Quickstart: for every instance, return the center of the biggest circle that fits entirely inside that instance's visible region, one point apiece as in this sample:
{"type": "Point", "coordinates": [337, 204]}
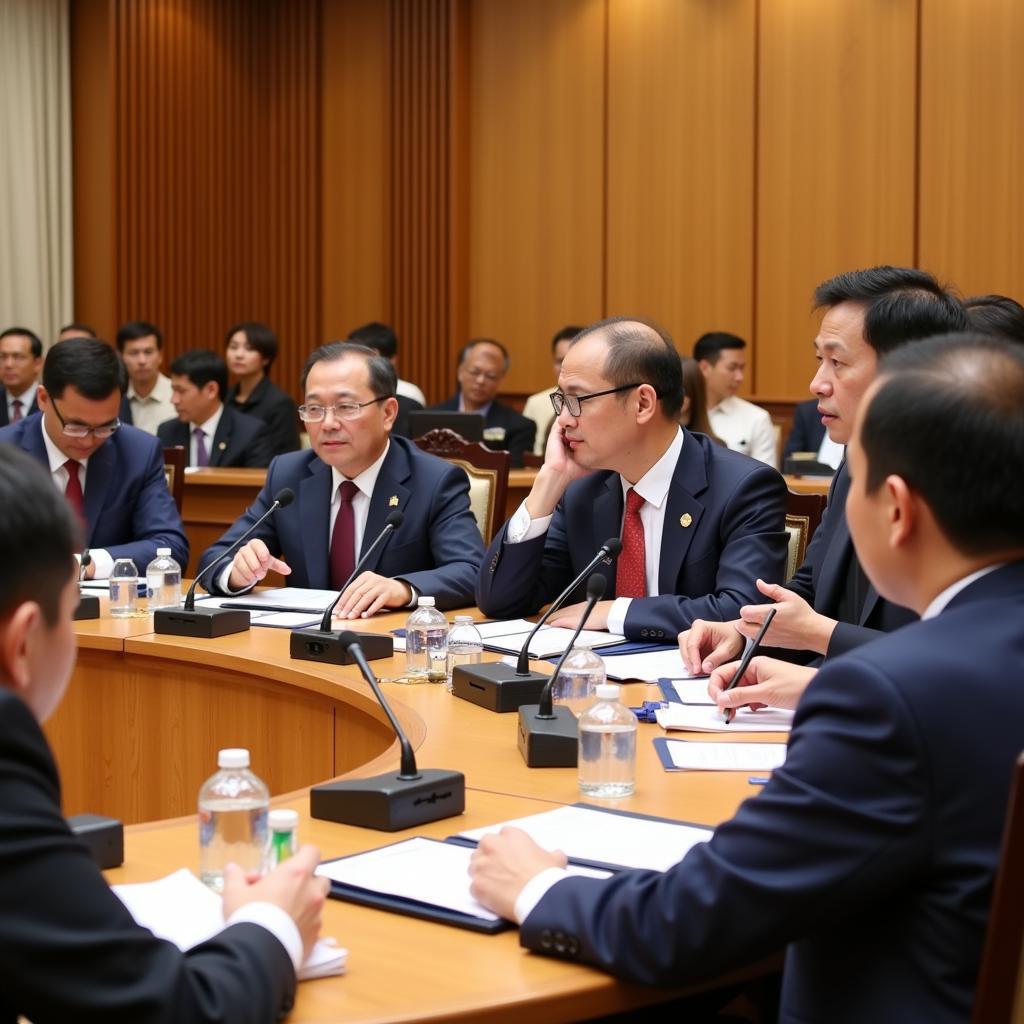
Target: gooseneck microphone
{"type": "Point", "coordinates": [210, 622]}
{"type": "Point", "coordinates": [393, 801]}
{"type": "Point", "coordinates": [326, 646]}
{"type": "Point", "coordinates": [88, 604]}
{"type": "Point", "coordinates": [499, 687]}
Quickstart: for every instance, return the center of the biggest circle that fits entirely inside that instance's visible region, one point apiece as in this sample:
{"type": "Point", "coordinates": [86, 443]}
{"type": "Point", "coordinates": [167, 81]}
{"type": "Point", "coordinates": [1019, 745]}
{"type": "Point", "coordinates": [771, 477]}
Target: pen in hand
{"type": "Point", "coordinates": [746, 659]}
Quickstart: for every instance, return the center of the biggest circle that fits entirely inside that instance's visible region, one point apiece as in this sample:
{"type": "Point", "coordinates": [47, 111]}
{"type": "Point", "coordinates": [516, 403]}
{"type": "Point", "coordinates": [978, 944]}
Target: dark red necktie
{"type": "Point", "coordinates": [73, 491]}
{"type": "Point", "coordinates": [631, 573]}
{"type": "Point", "coordinates": [343, 539]}
{"type": "Point", "coordinates": [16, 407]}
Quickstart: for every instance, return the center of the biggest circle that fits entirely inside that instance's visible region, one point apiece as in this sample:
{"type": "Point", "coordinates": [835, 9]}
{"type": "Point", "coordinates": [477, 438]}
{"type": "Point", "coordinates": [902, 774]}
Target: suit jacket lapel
{"type": "Point", "coordinates": [390, 486]}
{"type": "Point", "coordinates": [833, 565]}
{"type": "Point", "coordinates": [314, 520]}
{"type": "Point", "coordinates": [607, 522]}
{"type": "Point", "coordinates": [221, 438]}
{"type": "Point", "coordinates": [689, 479]}
{"type": "Point", "coordinates": [97, 481]}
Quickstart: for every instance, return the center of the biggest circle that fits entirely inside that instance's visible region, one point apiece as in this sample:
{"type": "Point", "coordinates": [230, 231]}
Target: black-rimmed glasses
{"type": "Point", "coordinates": [82, 430]}
{"type": "Point", "coordinates": [574, 403]}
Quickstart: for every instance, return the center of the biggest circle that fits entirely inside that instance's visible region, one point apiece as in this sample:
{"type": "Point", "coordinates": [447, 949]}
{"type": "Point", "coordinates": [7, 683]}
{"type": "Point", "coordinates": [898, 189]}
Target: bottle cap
{"type": "Point", "coordinates": [584, 645]}
{"type": "Point", "coordinates": [607, 691]}
{"type": "Point", "coordinates": [233, 757]}
{"type": "Point", "coordinates": [163, 552]}
{"type": "Point", "coordinates": [425, 602]}
{"type": "Point", "coordinates": [463, 620]}
{"type": "Point", "coordinates": [283, 820]}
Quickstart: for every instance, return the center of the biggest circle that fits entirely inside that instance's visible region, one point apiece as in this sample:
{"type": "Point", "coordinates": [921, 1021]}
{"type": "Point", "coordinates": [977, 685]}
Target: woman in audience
{"type": "Point", "coordinates": [694, 414]}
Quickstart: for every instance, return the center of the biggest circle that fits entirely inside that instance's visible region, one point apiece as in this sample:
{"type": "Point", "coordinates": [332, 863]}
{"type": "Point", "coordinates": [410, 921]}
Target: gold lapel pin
{"type": "Point", "coordinates": [393, 501]}
{"type": "Point", "coordinates": [685, 519]}
{"type": "Point", "coordinates": [222, 445]}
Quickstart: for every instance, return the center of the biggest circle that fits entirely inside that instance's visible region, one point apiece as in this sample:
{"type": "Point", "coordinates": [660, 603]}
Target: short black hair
{"type": "Point", "coordinates": [83, 330]}
{"type": "Point", "coordinates": [969, 389]}
{"type": "Point", "coordinates": [995, 314]}
{"type": "Point", "coordinates": [710, 346]}
{"type": "Point", "coordinates": [383, 379]}
{"type": "Point", "coordinates": [640, 352]}
{"type": "Point", "coordinates": [89, 365]}
{"type": "Point", "coordinates": [380, 337]}
{"type": "Point", "coordinates": [901, 304]}
{"type": "Point", "coordinates": [135, 329]}
{"type": "Point", "coordinates": [565, 334]}
{"type": "Point", "coordinates": [201, 366]}
{"type": "Point", "coordinates": [38, 535]}
{"type": "Point", "coordinates": [260, 337]}
{"type": "Point", "coordinates": [474, 342]}
{"type": "Point", "coordinates": [33, 339]}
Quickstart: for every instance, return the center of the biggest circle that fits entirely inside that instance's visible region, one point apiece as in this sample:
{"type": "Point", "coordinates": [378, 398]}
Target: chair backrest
{"type": "Point", "coordinates": [803, 515]}
{"type": "Point", "coordinates": [999, 997]}
{"type": "Point", "coordinates": [174, 469]}
{"type": "Point", "coordinates": [487, 471]}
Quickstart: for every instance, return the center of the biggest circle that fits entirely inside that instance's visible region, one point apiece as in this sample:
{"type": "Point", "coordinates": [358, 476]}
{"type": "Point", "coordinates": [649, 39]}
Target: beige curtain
{"type": "Point", "coordinates": [35, 166]}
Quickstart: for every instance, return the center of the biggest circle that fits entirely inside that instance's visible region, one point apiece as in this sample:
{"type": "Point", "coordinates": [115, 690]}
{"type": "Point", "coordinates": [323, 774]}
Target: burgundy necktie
{"type": "Point", "coordinates": [631, 573]}
{"type": "Point", "coordinates": [16, 407]}
{"type": "Point", "coordinates": [343, 539]}
{"type": "Point", "coordinates": [202, 455]}
{"type": "Point", "coordinates": [73, 491]}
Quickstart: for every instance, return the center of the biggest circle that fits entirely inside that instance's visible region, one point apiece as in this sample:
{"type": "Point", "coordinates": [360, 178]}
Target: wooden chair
{"type": "Point", "coordinates": [803, 514]}
{"type": "Point", "coordinates": [999, 998]}
{"type": "Point", "coordinates": [487, 471]}
{"type": "Point", "coordinates": [175, 460]}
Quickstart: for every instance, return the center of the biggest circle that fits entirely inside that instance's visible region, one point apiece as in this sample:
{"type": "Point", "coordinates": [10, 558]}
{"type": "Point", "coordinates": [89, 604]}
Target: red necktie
{"type": "Point", "coordinates": [73, 491]}
{"type": "Point", "coordinates": [631, 574]}
{"type": "Point", "coordinates": [16, 407]}
{"type": "Point", "coordinates": [343, 539]}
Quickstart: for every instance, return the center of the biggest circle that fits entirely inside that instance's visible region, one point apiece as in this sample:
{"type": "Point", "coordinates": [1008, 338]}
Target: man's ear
{"type": "Point", "coordinates": [211, 389]}
{"type": "Point", "coordinates": [42, 397]}
{"type": "Point", "coordinates": [646, 403]}
{"type": "Point", "coordinates": [902, 513]}
{"type": "Point", "coordinates": [16, 637]}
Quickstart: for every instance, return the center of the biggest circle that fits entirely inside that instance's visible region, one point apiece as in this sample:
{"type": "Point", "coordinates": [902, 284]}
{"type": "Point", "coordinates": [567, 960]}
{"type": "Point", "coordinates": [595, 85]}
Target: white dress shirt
{"type": "Point", "coordinates": [939, 602]}
{"type": "Point", "coordinates": [27, 397]}
{"type": "Point", "coordinates": [746, 428]}
{"type": "Point", "coordinates": [209, 429]}
{"type": "Point", "coordinates": [538, 408]}
{"type": "Point", "coordinates": [156, 408]}
{"type": "Point", "coordinates": [409, 390]}
{"type": "Point", "coordinates": [830, 453]}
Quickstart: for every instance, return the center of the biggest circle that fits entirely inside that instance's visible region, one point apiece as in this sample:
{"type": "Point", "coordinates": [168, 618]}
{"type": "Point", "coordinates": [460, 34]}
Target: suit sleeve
{"type": "Point", "coordinates": [799, 440]}
{"type": "Point", "coordinates": [819, 843]}
{"type": "Point", "coordinates": [802, 582]}
{"type": "Point", "coordinates": [282, 429]}
{"type": "Point", "coordinates": [521, 433]}
{"type": "Point", "coordinates": [259, 449]}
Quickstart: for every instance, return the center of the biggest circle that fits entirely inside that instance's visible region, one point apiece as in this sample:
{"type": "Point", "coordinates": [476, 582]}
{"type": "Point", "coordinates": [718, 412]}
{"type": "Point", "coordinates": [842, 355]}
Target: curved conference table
{"type": "Point", "coordinates": [139, 730]}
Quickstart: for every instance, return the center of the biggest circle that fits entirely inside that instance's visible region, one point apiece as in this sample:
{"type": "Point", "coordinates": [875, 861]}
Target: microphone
{"type": "Point", "coordinates": [323, 644]}
{"type": "Point", "coordinates": [210, 622]}
{"type": "Point", "coordinates": [392, 801]}
{"type": "Point", "coordinates": [548, 736]}
{"type": "Point", "coordinates": [88, 604]}
{"type": "Point", "coordinates": [497, 686]}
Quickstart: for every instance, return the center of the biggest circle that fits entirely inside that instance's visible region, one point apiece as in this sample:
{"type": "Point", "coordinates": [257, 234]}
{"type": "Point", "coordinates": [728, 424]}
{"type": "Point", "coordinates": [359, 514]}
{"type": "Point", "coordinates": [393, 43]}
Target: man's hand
{"type": "Point", "coordinates": [559, 470]}
{"type": "Point", "coordinates": [502, 864]}
{"type": "Point", "coordinates": [767, 682]}
{"type": "Point", "coordinates": [706, 645]}
{"type": "Point", "coordinates": [292, 886]}
{"type": "Point", "coordinates": [368, 593]}
{"type": "Point", "coordinates": [252, 563]}
{"type": "Point", "coordinates": [796, 623]}
{"type": "Point", "coordinates": [569, 616]}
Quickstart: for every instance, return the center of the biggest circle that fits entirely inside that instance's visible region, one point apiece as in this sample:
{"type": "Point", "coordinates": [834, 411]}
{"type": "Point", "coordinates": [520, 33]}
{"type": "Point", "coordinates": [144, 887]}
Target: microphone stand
{"type": "Point", "coordinates": [88, 604]}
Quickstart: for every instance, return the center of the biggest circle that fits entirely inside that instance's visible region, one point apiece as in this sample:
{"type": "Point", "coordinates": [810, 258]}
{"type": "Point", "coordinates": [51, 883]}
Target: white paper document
{"type": "Point", "coordinates": [267, 617]}
{"type": "Point", "coordinates": [650, 667]}
{"type": "Point", "coordinates": [691, 755]}
{"type": "Point", "coordinates": [182, 910]}
{"type": "Point", "coordinates": [585, 833]}
{"type": "Point", "coordinates": [701, 718]}
{"type": "Point", "coordinates": [691, 691]}
{"type": "Point", "coordinates": [283, 599]}
{"type": "Point", "coordinates": [549, 641]}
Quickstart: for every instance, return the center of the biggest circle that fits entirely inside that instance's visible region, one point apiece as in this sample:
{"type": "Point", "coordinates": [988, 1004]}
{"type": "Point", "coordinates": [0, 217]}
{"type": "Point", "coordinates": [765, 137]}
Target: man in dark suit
{"type": "Point", "coordinates": [345, 488]}
{"type": "Point", "coordinates": [807, 432]}
{"type": "Point", "coordinates": [113, 475]}
{"type": "Point", "coordinates": [21, 359]}
{"type": "Point", "coordinates": [483, 364]}
{"type": "Point", "coordinates": [214, 434]}
{"type": "Point", "coordinates": [69, 950]}
{"type": "Point", "coordinates": [700, 522]}
{"type": "Point", "coordinates": [871, 853]}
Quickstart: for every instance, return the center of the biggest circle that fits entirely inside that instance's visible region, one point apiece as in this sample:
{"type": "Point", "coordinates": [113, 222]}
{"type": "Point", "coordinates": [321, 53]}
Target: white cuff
{"type": "Point", "coordinates": [104, 564]}
{"type": "Point", "coordinates": [277, 922]}
{"type": "Point", "coordinates": [225, 575]}
{"type": "Point", "coordinates": [617, 615]}
{"type": "Point", "coordinates": [521, 527]}
{"type": "Point", "coordinates": [535, 890]}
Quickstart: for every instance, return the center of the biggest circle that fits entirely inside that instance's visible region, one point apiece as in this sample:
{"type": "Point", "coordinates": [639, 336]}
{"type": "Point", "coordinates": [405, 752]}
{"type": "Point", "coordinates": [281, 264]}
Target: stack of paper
{"type": "Point", "coordinates": [509, 637]}
{"type": "Point", "coordinates": [650, 667]}
{"type": "Point", "coordinates": [707, 718]}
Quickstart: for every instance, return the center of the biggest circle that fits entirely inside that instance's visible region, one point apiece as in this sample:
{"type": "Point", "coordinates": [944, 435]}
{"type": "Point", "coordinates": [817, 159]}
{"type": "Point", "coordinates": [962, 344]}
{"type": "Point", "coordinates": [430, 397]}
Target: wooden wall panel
{"type": "Point", "coordinates": [681, 165]}
{"type": "Point", "coordinates": [836, 163]}
{"type": "Point", "coordinates": [972, 144]}
{"type": "Point", "coordinates": [536, 164]}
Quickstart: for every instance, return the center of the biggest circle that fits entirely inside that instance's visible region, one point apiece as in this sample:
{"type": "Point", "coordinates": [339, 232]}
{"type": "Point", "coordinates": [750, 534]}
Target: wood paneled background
{"type": "Point", "coordinates": [504, 167]}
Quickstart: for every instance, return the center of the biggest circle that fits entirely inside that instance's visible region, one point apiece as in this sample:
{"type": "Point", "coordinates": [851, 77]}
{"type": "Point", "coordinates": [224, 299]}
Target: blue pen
{"type": "Point", "coordinates": [759, 780]}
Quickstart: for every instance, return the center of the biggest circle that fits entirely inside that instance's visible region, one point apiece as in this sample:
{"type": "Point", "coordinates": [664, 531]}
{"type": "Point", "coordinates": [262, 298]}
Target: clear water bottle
{"type": "Point", "coordinates": [282, 838]}
{"type": "Point", "coordinates": [465, 645]}
{"type": "Point", "coordinates": [163, 580]}
{"type": "Point", "coordinates": [233, 806]}
{"type": "Point", "coordinates": [426, 644]}
{"type": "Point", "coordinates": [607, 753]}
{"type": "Point", "coordinates": [578, 679]}
{"type": "Point", "coordinates": [124, 588]}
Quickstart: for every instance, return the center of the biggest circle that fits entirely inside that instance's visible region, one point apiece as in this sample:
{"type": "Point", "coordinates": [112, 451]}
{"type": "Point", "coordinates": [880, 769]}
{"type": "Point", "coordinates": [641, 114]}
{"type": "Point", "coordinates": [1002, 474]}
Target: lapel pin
{"type": "Point", "coordinates": [685, 519]}
{"type": "Point", "coordinates": [393, 501]}
{"type": "Point", "coordinates": [222, 445]}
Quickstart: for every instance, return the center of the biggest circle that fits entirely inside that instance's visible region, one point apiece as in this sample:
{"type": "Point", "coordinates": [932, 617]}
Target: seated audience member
{"type": "Point", "coordinates": [21, 359]}
{"type": "Point", "coordinates": [112, 474]}
{"type": "Point", "coordinates": [538, 406]}
{"type": "Point", "coordinates": [743, 426]}
{"type": "Point", "coordinates": [871, 853]}
{"type": "Point", "coordinates": [996, 314]}
{"type": "Point", "coordinates": [70, 950]}
{"type": "Point", "coordinates": [694, 413]}
{"type": "Point", "coordinates": [215, 434]}
{"type": "Point", "coordinates": [147, 403]}
{"type": "Point", "coordinates": [698, 522]}
{"type": "Point", "coordinates": [809, 435]}
{"type": "Point", "coordinates": [74, 330]}
{"type": "Point", "coordinates": [251, 349]}
{"type": "Point", "coordinates": [345, 487]}
{"type": "Point", "coordinates": [483, 364]}
{"type": "Point", "coordinates": [829, 606]}
{"type": "Point", "coordinates": [383, 340]}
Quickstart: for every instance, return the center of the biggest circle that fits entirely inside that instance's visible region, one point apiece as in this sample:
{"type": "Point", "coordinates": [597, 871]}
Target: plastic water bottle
{"type": "Point", "coordinates": [233, 807]}
{"type": "Point", "coordinates": [607, 754]}
{"type": "Point", "coordinates": [426, 644]}
{"type": "Point", "coordinates": [578, 679]}
{"type": "Point", "coordinates": [283, 837]}
{"type": "Point", "coordinates": [163, 579]}
{"type": "Point", "coordinates": [465, 645]}
{"type": "Point", "coordinates": [124, 588]}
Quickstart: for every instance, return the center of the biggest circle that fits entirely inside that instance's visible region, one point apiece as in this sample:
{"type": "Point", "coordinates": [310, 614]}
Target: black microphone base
{"type": "Point", "coordinates": [315, 645]}
{"type": "Point", "coordinates": [201, 622]}
{"type": "Point", "coordinates": [88, 607]}
{"type": "Point", "coordinates": [548, 742]}
{"type": "Point", "coordinates": [389, 803]}
{"type": "Point", "coordinates": [496, 686]}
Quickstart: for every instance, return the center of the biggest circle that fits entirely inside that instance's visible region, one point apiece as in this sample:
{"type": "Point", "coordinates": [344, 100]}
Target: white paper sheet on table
{"type": "Point", "coordinates": [279, 620]}
{"type": "Point", "coordinates": [651, 666]}
{"type": "Point", "coordinates": [283, 599]}
{"type": "Point", "coordinates": [549, 641]}
{"type": "Point", "coordinates": [691, 691]}
{"type": "Point", "coordinates": [692, 755]}
{"type": "Point", "coordinates": [703, 718]}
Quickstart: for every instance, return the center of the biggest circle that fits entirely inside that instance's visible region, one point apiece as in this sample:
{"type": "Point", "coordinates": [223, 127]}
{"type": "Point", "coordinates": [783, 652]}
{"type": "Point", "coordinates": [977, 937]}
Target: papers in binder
{"type": "Point", "coordinates": [649, 667]}
{"type": "Point", "coordinates": [509, 637]}
{"type": "Point", "coordinates": [703, 718]}
{"type": "Point", "coordinates": [692, 755]}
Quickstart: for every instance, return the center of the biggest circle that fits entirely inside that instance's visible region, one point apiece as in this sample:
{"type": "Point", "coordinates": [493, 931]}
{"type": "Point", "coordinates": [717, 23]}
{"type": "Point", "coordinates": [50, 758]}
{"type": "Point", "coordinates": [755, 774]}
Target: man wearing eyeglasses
{"type": "Point", "coordinates": [21, 358]}
{"type": "Point", "coordinates": [112, 475]}
{"type": "Point", "coordinates": [356, 474]}
{"type": "Point", "coordinates": [699, 523]}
